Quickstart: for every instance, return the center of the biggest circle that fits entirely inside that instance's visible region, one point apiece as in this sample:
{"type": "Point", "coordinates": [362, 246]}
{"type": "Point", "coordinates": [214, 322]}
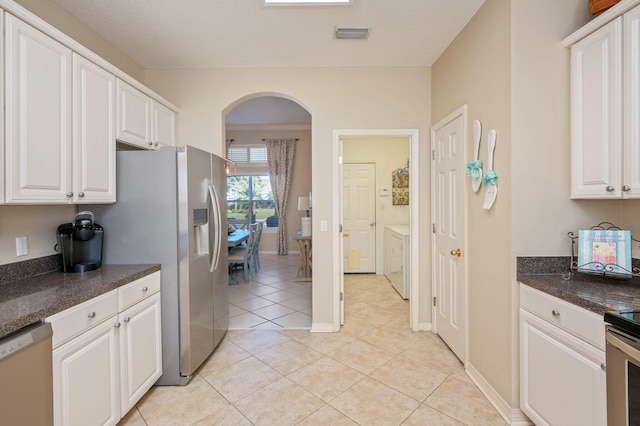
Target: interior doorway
{"type": "Point", "coordinates": [411, 138]}
{"type": "Point", "coordinates": [251, 123]}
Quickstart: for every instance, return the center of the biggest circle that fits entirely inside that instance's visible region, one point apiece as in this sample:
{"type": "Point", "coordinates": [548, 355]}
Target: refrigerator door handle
{"type": "Point", "coordinates": [215, 228]}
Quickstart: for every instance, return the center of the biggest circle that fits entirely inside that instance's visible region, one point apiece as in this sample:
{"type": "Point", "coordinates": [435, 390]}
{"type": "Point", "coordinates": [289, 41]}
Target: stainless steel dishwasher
{"type": "Point", "coordinates": [26, 377]}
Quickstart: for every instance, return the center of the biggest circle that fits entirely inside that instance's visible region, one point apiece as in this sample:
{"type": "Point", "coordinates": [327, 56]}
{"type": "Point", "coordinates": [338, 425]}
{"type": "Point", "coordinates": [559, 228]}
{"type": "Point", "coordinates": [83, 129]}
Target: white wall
{"type": "Point", "coordinates": [337, 98]}
{"type": "Point", "coordinates": [388, 154]}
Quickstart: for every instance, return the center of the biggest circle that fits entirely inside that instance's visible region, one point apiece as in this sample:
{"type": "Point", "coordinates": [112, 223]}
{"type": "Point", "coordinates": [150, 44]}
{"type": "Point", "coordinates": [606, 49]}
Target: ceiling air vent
{"type": "Point", "coordinates": [351, 33]}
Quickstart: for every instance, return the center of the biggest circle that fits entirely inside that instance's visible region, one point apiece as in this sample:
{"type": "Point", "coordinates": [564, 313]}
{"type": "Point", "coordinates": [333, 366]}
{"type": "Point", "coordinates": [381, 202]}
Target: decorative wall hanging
{"type": "Point", "coordinates": [400, 186]}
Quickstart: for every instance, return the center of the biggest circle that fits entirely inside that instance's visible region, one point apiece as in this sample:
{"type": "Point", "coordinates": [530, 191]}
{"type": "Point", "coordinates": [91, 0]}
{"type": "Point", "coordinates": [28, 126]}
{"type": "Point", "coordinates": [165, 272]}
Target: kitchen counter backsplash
{"type": "Point", "coordinates": [29, 268]}
{"type": "Point", "coordinates": [592, 292]}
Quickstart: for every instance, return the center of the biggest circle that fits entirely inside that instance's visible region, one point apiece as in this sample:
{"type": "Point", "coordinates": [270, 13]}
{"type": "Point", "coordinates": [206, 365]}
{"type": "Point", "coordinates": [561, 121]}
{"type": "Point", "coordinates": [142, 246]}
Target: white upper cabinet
{"type": "Point", "coordinates": [141, 120]}
{"type": "Point", "coordinates": [60, 115]}
{"type": "Point", "coordinates": [94, 151]}
{"type": "Point", "coordinates": [631, 28]}
{"type": "Point", "coordinates": [37, 114]}
{"type": "Point", "coordinates": [64, 109]}
{"type": "Point", "coordinates": [605, 148]}
{"type": "Point", "coordinates": [134, 116]}
{"type": "Point", "coordinates": [164, 125]}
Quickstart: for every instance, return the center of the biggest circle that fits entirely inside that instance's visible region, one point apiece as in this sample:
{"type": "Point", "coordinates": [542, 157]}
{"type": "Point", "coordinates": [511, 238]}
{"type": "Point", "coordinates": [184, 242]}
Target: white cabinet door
{"type": "Point", "coordinates": [596, 114]}
{"type": "Point", "coordinates": [164, 125]}
{"type": "Point", "coordinates": [562, 381]}
{"type": "Point", "coordinates": [94, 151]}
{"type": "Point", "coordinates": [86, 379]}
{"type": "Point", "coordinates": [631, 26]}
{"type": "Point", "coordinates": [140, 349]}
{"type": "Point", "coordinates": [38, 115]}
{"type": "Point", "coordinates": [133, 116]}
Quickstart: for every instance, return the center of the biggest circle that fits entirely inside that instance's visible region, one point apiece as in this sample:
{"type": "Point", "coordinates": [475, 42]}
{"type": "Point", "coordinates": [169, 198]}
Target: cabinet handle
{"type": "Point", "coordinates": [69, 194]}
{"type": "Point", "coordinates": [555, 313]}
{"type": "Point", "coordinates": [145, 289]}
{"type": "Point", "coordinates": [91, 314]}
{"type": "Point", "coordinates": [603, 366]}
{"type": "Point", "coordinates": [126, 319]}
{"type": "Point", "coordinates": [610, 188]}
{"type": "Point", "coordinates": [150, 143]}
{"type": "Point", "coordinates": [81, 194]}
{"type": "Point", "coordinates": [626, 188]}
{"type": "Point", "coordinates": [116, 325]}
{"type": "Point", "coordinates": [155, 144]}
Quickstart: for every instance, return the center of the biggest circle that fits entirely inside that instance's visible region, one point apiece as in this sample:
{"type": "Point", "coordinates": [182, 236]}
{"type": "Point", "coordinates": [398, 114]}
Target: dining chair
{"type": "Point", "coordinates": [256, 245]}
{"type": "Point", "coordinates": [239, 223]}
{"type": "Point", "coordinates": [243, 254]}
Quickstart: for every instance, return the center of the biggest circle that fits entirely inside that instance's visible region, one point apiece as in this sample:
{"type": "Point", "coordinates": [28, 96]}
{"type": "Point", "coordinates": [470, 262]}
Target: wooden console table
{"type": "Point", "coordinates": [305, 265]}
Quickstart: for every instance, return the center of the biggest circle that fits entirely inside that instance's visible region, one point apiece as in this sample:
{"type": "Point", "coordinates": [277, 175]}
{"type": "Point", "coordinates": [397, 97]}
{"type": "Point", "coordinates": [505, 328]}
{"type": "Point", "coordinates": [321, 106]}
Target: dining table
{"type": "Point", "coordinates": [237, 237]}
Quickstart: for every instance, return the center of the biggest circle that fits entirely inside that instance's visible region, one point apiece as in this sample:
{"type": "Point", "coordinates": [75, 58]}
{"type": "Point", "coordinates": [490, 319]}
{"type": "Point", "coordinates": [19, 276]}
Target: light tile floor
{"type": "Point", "coordinates": [375, 371]}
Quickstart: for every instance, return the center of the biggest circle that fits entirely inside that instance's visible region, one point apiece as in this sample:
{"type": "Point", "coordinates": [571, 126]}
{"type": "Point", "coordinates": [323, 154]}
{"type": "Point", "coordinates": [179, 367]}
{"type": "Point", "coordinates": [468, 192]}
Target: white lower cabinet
{"type": "Point", "coordinates": [86, 378]}
{"type": "Point", "coordinates": [140, 350]}
{"type": "Point", "coordinates": [107, 354]}
{"type": "Point", "coordinates": [562, 371]}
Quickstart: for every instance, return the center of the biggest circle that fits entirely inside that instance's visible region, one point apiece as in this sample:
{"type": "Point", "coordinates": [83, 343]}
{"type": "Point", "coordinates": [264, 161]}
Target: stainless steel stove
{"type": "Point", "coordinates": [623, 368]}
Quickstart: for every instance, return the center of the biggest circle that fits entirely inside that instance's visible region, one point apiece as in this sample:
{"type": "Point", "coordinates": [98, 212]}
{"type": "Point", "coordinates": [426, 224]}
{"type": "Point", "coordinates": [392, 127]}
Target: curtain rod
{"type": "Point", "coordinates": [264, 140]}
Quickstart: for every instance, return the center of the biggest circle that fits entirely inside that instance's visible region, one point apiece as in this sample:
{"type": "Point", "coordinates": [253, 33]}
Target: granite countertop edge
{"type": "Point", "coordinates": [594, 293]}
{"type": "Point", "coordinates": [31, 300]}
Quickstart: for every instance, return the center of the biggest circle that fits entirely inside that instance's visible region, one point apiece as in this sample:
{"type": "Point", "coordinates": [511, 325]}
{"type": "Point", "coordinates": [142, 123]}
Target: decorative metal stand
{"type": "Point", "coordinates": [610, 270]}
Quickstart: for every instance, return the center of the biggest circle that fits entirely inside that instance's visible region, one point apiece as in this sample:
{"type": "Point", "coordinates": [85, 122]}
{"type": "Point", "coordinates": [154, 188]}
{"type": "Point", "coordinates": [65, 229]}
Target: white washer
{"type": "Point", "coordinates": [396, 259]}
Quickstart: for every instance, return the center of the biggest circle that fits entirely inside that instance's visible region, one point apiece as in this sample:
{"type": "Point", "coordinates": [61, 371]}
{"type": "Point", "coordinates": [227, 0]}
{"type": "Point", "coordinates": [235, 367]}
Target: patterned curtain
{"type": "Point", "coordinates": [280, 154]}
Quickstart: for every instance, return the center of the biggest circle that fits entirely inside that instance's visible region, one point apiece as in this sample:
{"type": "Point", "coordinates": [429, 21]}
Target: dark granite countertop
{"type": "Point", "coordinates": [594, 293]}
{"type": "Point", "coordinates": [30, 300]}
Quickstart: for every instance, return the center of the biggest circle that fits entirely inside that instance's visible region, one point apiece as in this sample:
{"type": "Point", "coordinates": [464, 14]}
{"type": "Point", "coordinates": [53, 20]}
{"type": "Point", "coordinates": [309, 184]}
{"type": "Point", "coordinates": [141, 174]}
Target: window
{"type": "Point", "coordinates": [251, 197]}
{"type": "Point", "coordinates": [248, 155]}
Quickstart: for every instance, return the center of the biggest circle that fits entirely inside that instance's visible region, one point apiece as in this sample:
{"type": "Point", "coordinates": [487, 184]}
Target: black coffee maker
{"type": "Point", "coordinates": [80, 243]}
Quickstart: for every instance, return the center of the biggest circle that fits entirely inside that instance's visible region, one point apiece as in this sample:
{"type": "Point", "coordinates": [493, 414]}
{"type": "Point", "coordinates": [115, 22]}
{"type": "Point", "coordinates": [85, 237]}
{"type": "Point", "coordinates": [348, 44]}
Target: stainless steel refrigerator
{"type": "Point", "coordinates": [171, 209]}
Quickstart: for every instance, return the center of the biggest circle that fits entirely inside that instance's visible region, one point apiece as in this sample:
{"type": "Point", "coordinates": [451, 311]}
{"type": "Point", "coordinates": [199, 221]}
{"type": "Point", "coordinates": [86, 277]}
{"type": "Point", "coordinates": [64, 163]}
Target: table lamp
{"type": "Point", "coordinates": [303, 204]}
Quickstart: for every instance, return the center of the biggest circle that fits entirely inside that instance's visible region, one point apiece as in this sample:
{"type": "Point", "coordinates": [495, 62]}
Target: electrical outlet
{"type": "Point", "coordinates": [323, 226]}
{"type": "Point", "coordinates": [22, 246]}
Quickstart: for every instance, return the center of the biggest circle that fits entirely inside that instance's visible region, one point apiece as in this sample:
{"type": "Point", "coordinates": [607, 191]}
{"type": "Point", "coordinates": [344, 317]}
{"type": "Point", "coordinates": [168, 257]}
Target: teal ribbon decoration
{"type": "Point", "coordinates": [490, 178]}
{"type": "Point", "coordinates": [473, 167]}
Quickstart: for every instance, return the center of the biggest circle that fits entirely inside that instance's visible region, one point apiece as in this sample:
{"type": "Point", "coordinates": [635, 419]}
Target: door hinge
{"type": "Point", "coordinates": [433, 154]}
{"type": "Point", "coordinates": [341, 297]}
{"type": "Point", "coordinates": [434, 228]}
{"type": "Point", "coordinates": [434, 301]}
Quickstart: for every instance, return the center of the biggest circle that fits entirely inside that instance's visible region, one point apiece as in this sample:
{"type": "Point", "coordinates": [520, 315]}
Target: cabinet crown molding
{"type": "Point", "coordinates": [600, 21]}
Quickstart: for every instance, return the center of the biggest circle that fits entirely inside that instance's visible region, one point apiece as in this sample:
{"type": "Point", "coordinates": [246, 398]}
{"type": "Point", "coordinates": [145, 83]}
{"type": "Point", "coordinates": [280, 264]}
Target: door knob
{"type": "Point", "coordinates": [345, 235]}
{"type": "Point", "coordinates": [456, 252]}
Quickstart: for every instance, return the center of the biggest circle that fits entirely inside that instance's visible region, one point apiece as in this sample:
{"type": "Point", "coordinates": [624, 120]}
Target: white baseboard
{"type": "Point", "coordinates": [425, 326]}
{"type": "Point", "coordinates": [321, 327]}
{"type": "Point", "coordinates": [513, 416]}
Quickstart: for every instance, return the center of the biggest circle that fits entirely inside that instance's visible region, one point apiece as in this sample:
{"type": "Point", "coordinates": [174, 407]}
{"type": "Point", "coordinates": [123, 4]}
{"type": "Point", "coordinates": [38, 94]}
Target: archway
{"type": "Point", "coordinates": [248, 122]}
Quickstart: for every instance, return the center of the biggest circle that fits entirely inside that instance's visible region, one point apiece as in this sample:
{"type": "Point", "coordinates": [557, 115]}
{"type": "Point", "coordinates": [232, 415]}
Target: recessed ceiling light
{"type": "Point", "coordinates": [351, 33]}
{"type": "Point", "coordinates": [306, 2]}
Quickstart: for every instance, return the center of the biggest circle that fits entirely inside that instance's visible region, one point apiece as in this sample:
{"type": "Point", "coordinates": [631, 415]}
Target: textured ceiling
{"type": "Point", "coordinates": [161, 34]}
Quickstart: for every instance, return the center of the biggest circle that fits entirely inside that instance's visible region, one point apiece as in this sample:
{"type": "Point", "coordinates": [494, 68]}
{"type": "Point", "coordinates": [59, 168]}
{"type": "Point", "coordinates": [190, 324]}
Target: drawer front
{"type": "Point", "coordinates": [74, 321]}
{"type": "Point", "coordinates": [138, 290]}
{"type": "Point", "coordinates": [574, 319]}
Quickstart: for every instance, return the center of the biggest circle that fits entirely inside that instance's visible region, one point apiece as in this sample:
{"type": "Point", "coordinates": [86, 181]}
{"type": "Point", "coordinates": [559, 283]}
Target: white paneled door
{"type": "Point", "coordinates": [448, 232]}
{"type": "Point", "coordinates": [359, 218]}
